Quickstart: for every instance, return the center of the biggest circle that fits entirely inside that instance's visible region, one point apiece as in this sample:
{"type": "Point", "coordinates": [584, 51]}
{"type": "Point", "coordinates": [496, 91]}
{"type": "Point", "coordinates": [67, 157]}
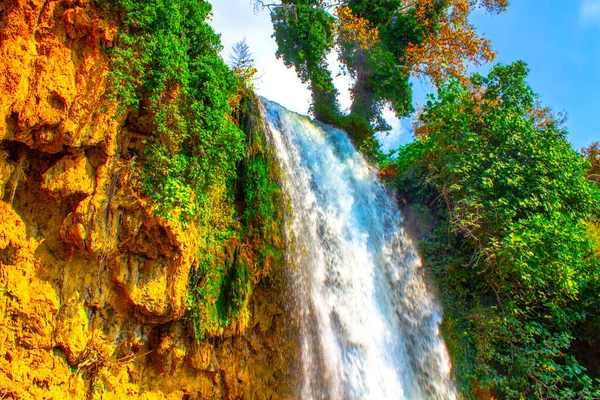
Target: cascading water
{"type": "Point", "coordinates": [369, 326]}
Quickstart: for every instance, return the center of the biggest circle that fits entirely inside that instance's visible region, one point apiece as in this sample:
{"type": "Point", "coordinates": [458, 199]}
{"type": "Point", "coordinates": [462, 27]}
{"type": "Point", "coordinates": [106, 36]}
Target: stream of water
{"type": "Point", "coordinates": [370, 327]}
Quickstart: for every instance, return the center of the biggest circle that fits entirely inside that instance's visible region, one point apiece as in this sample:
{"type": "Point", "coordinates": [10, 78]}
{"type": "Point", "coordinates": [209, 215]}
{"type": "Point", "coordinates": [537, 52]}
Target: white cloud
{"type": "Point", "coordinates": [590, 12]}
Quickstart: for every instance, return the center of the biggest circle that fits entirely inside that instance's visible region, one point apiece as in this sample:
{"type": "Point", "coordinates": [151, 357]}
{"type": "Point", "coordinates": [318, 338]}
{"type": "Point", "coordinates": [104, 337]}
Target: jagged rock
{"type": "Point", "coordinates": [70, 175]}
{"type": "Point", "coordinates": [173, 349]}
{"type": "Point", "coordinates": [32, 303]}
{"type": "Point", "coordinates": [202, 357]}
{"type": "Point", "coordinates": [12, 229]}
{"type": "Point", "coordinates": [144, 282]}
{"type": "Point", "coordinates": [6, 171]}
{"type": "Point", "coordinates": [72, 328]}
{"type": "Point", "coordinates": [53, 75]}
{"type": "Point", "coordinates": [73, 232]}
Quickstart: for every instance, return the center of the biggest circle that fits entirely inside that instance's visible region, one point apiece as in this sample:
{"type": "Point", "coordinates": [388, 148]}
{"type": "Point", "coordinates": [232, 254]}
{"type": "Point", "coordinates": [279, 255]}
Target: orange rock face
{"type": "Point", "coordinates": [92, 284]}
{"type": "Point", "coordinates": [53, 75]}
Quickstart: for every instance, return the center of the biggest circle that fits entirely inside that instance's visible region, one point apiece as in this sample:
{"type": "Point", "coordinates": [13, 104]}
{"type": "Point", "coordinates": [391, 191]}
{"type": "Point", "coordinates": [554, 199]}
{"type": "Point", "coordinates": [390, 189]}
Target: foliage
{"type": "Point", "coordinates": [380, 43]}
{"type": "Point", "coordinates": [374, 63]}
{"type": "Point", "coordinates": [510, 249]}
{"type": "Point", "coordinates": [196, 159]}
{"type": "Point", "coordinates": [304, 36]}
{"type": "Point", "coordinates": [168, 56]}
{"type": "Point", "coordinates": [242, 243]}
{"type": "Point", "coordinates": [592, 155]}
{"type": "Point", "coordinates": [260, 194]}
{"type": "Point", "coordinates": [242, 63]}
{"type": "Point", "coordinates": [594, 234]}
{"type": "Point", "coordinates": [220, 289]}
{"type": "Point", "coordinates": [209, 307]}
{"type": "Point", "coordinates": [446, 49]}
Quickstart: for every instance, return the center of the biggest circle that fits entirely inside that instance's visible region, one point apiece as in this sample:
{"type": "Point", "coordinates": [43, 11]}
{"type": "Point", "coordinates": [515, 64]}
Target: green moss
{"type": "Point", "coordinates": [260, 194]}
{"type": "Point", "coordinates": [236, 258]}
{"type": "Point", "coordinates": [219, 293]}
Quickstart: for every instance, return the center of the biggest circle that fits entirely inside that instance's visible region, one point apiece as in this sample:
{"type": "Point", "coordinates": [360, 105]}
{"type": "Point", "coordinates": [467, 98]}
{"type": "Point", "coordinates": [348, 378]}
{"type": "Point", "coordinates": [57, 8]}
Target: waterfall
{"type": "Point", "coordinates": [369, 326]}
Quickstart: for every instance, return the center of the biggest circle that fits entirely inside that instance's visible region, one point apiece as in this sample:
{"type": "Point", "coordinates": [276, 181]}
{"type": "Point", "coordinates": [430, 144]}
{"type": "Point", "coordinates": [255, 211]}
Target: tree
{"type": "Point", "coordinates": [446, 50]}
{"type": "Point", "coordinates": [242, 65]}
{"type": "Point", "coordinates": [510, 250]}
{"type": "Point", "coordinates": [592, 154]}
{"type": "Point", "coordinates": [241, 57]}
{"type": "Point", "coordinates": [380, 43]}
{"type": "Point", "coordinates": [304, 33]}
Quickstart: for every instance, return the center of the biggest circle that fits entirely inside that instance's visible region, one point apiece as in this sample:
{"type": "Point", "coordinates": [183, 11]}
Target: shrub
{"type": "Point", "coordinates": [168, 55]}
{"type": "Point", "coordinates": [510, 250]}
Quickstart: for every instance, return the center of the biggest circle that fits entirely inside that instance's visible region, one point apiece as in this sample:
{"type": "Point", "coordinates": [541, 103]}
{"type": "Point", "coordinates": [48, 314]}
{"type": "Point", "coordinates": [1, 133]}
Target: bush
{"type": "Point", "coordinates": [510, 251]}
{"type": "Point", "coordinates": [168, 55]}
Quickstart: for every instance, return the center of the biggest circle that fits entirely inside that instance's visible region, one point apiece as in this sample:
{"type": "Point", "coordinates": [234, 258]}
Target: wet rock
{"type": "Point", "coordinates": [202, 357]}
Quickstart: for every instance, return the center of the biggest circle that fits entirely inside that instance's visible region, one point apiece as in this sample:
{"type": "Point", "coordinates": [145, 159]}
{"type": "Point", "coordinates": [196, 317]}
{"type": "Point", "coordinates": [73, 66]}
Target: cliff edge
{"type": "Point", "coordinates": [94, 287]}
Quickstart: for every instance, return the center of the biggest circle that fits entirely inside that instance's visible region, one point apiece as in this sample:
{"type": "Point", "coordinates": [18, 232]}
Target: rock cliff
{"type": "Point", "coordinates": [93, 285]}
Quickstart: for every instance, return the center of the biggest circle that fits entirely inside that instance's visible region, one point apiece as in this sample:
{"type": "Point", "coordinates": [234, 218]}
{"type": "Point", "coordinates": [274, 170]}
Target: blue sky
{"type": "Point", "coordinates": [559, 39]}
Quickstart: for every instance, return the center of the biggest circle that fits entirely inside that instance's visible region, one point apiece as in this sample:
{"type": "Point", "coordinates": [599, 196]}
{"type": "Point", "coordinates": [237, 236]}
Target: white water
{"type": "Point", "coordinates": [370, 328]}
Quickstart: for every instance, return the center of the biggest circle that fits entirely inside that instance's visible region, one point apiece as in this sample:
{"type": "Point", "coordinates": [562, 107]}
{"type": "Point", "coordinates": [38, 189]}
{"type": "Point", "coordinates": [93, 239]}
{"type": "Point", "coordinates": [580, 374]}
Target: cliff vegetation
{"type": "Point", "coordinates": [140, 243]}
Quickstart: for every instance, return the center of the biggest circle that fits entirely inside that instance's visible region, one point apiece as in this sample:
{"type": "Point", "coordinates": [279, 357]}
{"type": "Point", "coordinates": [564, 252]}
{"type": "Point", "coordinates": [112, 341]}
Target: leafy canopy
{"type": "Point", "coordinates": [380, 43]}
{"type": "Point", "coordinates": [511, 250]}
{"type": "Point", "coordinates": [304, 32]}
